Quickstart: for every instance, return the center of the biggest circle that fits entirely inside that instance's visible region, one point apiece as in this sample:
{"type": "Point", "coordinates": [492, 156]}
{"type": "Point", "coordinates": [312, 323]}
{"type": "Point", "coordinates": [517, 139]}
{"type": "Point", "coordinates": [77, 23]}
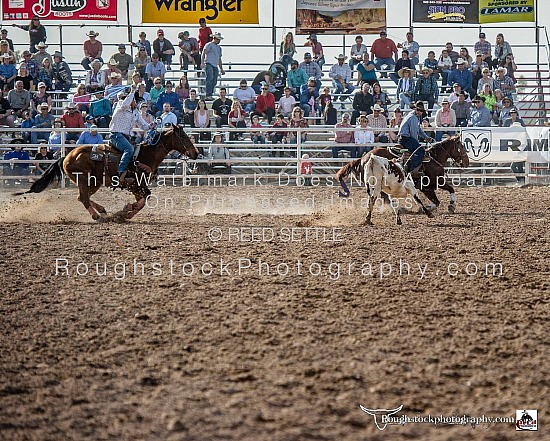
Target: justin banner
{"type": "Point", "coordinates": [506, 144]}
{"type": "Point", "coordinates": [340, 16]}
{"type": "Point", "coordinates": [473, 11]}
{"type": "Point", "coordinates": [217, 12]}
{"type": "Point", "coordinates": [104, 10]}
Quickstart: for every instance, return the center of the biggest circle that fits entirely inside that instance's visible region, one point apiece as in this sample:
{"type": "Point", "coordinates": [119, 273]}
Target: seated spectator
{"type": "Point", "coordinates": [431, 62]}
{"type": "Point", "coordinates": [484, 47]}
{"type": "Point", "coordinates": [93, 49]}
{"type": "Point", "coordinates": [189, 107]}
{"type": "Point", "coordinates": [139, 135]}
{"type": "Point", "coordinates": [62, 75]}
{"type": "Point", "coordinates": [324, 98]}
{"type": "Point", "coordinates": [112, 67]}
{"type": "Point", "coordinates": [32, 67]}
{"type": "Point", "coordinates": [462, 76]}
{"type": "Point", "coordinates": [403, 62]}
{"type": "Point", "coordinates": [27, 123]}
{"type": "Point", "coordinates": [452, 53]}
{"type": "Point", "coordinates": [465, 55]}
{"type": "Point", "coordinates": [395, 123]}
{"type": "Point", "coordinates": [426, 126]}
{"type": "Point", "coordinates": [141, 60]}
{"type": "Point", "coordinates": [502, 49]}
{"type": "Point", "coordinates": [316, 49]}
{"type": "Point", "coordinates": [170, 97]}
{"type": "Point", "coordinates": [141, 95]}
{"type": "Point", "coordinates": [45, 74]}
{"type": "Point", "coordinates": [4, 36]}
{"type": "Point", "coordinates": [480, 116]}
{"type": "Point", "coordinates": [412, 46]}
{"type": "Point", "coordinates": [123, 60]}
{"type": "Point", "coordinates": [4, 49]}
{"type": "Point", "coordinates": [504, 114]}
{"type": "Point", "coordinates": [6, 113]}
{"type": "Point", "coordinates": [101, 110]}
{"type": "Point", "coordinates": [356, 52]}
{"type": "Point", "coordinates": [485, 79]}
{"type": "Point", "coordinates": [513, 119]}
{"type": "Point", "coordinates": [510, 66]}
{"type": "Point", "coordinates": [490, 99]}
{"type": "Point", "coordinates": [88, 121]}
{"type": "Point", "coordinates": [456, 91]}
{"type": "Point", "coordinates": [363, 136]}
{"type": "Point", "coordinates": [236, 119]}
{"type": "Point", "coordinates": [330, 115]}
{"type": "Point", "coordinates": [154, 71]}
{"type": "Point", "coordinates": [477, 68]}
{"type": "Point", "coordinates": [405, 88]}
{"type": "Point", "coordinates": [16, 168]}
{"type": "Point", "coordinates": [95, 78]}
{"type": "Point", "coordinates": [344, 138]}
{"type": "Point", "coordinates": [80, 98]}
{"type": "Point", "coordinates": [182, 89]}
{"type": "Point", "coordinates": [341, 78]}
{"type": "Point", "coordinates": [217, 152]}
{"type": "Point", "coordinates": [23, 75]}
{"type": "Point", "coordinates": [444, 117]}
{"type": "Point", "coordinates": [115, 85]}
{"type": "Point", "coordinates": [362, 103]}
{"type": "Point", "coordinates": [265, 105]}
{"type": "Point", "coordinates": [378, 121]}
{"type": "Point", "coordinates": [380, 97]}
{"type": "Point", "coordinates": [256, 136]}
{"type": "Point", "coordinates": [265, 77]}
{"type": "Point", "coordinates": [202, 120]}
{"type": "Point", "coordinates": [189, 48]}
{"type": "Point", "coordinates": [384, 53]}
{"type": "Point", "coordinates": [504, 82]}
{"type": "Point", "coordinates": [43, 120]}
{"type": "Point", "coordinates": [167, 117]}
{"type": "Point", "coordinates": [41, 55]}
{"type": "Point", "coordinates": [19, 99]}
{"type": "Point", "coordinates": [298, 121]}
{"type": "Point", "coordinates": [287, 103]}
{"type": "Point", "coordinates": [8, 72]}
{"type": "Point", "coordinates": [278, 137]}
{"type": "Point", "coordinates": [445, 65]}
{"type": "Point", "coordinates": [312, 70]}
{"type": "Point", "coordinates": [155, 92]}
{"type": "Point", "coordinates": [136, 79]}
{"type": "Point", "coordinates": [308, 96]}
{"type": "Point", "coordinates": [143, 43]}
{"type": "Point", "coordinates": [39, 98]}
{"type": "Point", "coordinates": [43, 154]}
{"type": "Point", "coordinates": [164, 48]}
{"type": "Point", "coordinates": [221, 108]}
{"type": "Point", "coordinates": [72, 119]}
{"type": "Point", "coordinates": [245, 95]}
{"type": "Point", "coordinates": [296, 78]}
{"type": "Point", "coordinates": [287, 49]}
{"type": "Point", "coordinates": [462, 109]}
{"type": "Point", "coordinates": [426, 89]}
{"type": "Point", "coordinates": [90, 136]}
{"type": "Point", "coordinates": [55, 137]}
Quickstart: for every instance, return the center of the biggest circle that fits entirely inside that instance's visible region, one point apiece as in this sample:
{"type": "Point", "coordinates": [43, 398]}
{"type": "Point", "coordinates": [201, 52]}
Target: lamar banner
{"type": "Point", "coordinates": [473, 11]}
{"type": "Point", "coordinates": [506, 144]}
{"type": "Point", "coordinates": [13, 10]}
{"type": "Point", "coordinates": [340, 16]}
{"type": "Point", "coordinates": [189, 11]}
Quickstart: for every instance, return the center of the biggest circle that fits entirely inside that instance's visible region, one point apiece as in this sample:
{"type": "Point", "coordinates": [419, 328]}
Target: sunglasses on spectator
{"type": "Point", "coordinates": [43, 148]}
{"type": "Point", "coordinates": [156, 82]}
{"type": "Point", "coordinates": [265, 88]}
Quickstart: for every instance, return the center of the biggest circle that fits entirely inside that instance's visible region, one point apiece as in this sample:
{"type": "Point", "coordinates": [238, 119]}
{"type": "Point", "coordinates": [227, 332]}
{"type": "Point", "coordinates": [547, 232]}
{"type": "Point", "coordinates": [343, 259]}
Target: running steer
{"type": "Point", "coordinates": [381, 175]}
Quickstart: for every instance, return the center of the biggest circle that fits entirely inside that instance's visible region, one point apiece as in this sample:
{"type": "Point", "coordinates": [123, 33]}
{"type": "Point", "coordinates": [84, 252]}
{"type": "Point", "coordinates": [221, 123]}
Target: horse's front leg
{"type": "Point", "coordinates": [451, 190]}
{"type": "Point", "coordinates": [141, 198]}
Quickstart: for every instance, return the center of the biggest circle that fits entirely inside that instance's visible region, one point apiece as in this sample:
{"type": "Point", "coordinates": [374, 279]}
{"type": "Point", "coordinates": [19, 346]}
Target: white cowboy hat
{"type": "Point", "coordinates": [502, 68]}
{"type": "Point", "coordinates": [445, 100]}
{"type": "Point", "coordinates": [217, 35]}
{"type": "Point", "coordinates": [341, 57]}
{"type": "Point", "coordinates": [115, 75]}
{"type": "Point", "coordinates": [428, 69]}
{"type": "Point", "coordinates": [112, 62]}
{"type": "Point", "coordinates": [41, 45]}
{"type": "Point", "coordinates": [402, 71]}
{"type": "Point", "coordinates": [377, 107]}
{"type": "Point", "coordinates": [92, 33]}
{"type": "Point", "coordinates": [460, 61]}
{"type": "Point", "coordinates": [6, 55]}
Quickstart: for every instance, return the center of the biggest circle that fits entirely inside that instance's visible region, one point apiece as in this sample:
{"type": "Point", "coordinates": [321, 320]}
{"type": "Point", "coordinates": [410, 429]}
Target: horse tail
{"type": "Point", "coordinates": [52, 172]}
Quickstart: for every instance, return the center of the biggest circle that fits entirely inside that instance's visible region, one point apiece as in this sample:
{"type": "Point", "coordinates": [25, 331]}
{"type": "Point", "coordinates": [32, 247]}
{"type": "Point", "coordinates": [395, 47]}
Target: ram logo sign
{"type": "Point", "coordinates": [477, 143]}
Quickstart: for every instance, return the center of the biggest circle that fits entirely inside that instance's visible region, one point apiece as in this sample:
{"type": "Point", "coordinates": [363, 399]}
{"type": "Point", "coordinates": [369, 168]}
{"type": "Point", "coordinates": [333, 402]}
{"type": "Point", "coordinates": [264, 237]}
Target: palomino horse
{"type": "Point", "coordinates": [434, 170]}
{"type": "Point", "coordinates": [90, 174]}
{"type": "Point", "coordinates": [381, 175]}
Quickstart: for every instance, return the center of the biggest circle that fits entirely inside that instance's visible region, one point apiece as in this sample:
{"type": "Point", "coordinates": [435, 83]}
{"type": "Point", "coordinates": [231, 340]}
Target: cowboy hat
{"type": "Point", "coordinates": [217, 134]}
{"type": "Point", "coordinates": [112, 62]}
{"type": "Point", "coordinates": [445, 100]}
{"type": "Point", "coordinates": [377, 107]}
{"type": "Point", "coordinates": [71, 106]}
{"type": "Point", "coordinates": [419, 105]}
{"type": "Point", "coordinates": [92, 34]}
{"type": "Point", "coordinates": [98, 61]}
{"type": "Point", "coordinates": [43, 106]}
{"type": "Point", "coordinates": [41, 45]}
{"type": "Point", "coordinates": [478, 99]}
{"type": "Point", "coordinates": [41, 84]}
{"type": "Point", "coordinates": [460, 61]}
{"type": "Point", "coordinates": [341, 57]}
{"type": "Point", "coordinates": [428, 69]}
{"type": "Point", "coordinates": [115, 75]}
{"type": "Point", "coordinates": [58, 54]}
{"type": "Point", "coordinates": [217, 35]}
{"type": "Point", "coordinates": [6, 55]}
{"type": "Point", "coordinates": [502, 68]}
{"type": "Point", "coordinates": [4, 42]}
{"type": "Point", "coordinates": [402, 71]}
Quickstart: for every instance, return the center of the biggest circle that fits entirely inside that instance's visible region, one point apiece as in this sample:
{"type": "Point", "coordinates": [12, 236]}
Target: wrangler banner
{"type": "Point", "coordinates": [190, 11]}
{"type": "Point", "coordinates": [473, 11]}
{"type": "Point", "coordinates": [105, 10]}
{"type": "Point", "coordinates": [340, 16]}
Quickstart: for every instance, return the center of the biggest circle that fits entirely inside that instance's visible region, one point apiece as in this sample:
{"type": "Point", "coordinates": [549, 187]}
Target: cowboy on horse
{"type": "Point", "coordinates": [124, 118]}
{"type": "Point", "coordinates": [408, 137]}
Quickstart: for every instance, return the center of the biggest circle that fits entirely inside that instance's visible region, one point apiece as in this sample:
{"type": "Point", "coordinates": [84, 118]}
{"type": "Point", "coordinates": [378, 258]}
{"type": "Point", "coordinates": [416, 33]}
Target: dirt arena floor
{"type": "Point", "coordinates": [149, 351]}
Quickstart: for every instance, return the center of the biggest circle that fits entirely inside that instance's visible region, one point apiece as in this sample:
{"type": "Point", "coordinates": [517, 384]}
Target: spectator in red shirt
{"type": "Point", "coordinates": [265, 104]}
{"type": "Point", "coordinates": [205, 34]}
{"type": "Point", "coordinates": [73, 120]}
{"type": "Point", "coordinates": [384, 53]}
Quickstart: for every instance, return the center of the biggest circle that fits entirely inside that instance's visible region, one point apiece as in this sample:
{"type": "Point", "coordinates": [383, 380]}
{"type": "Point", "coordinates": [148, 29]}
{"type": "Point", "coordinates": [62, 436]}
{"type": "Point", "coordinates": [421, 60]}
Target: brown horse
{"type": "Point", "coordinates": [434, 170]}
{"type": "Point", "coordinates": [90, 175]}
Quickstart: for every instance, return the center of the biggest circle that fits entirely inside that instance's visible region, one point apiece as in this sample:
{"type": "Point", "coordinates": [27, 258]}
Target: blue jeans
{"type": "Point", "coordinates": [412, 145]}
{"type": "Point", "coordinates": [86, 63]}
{"type": "Point", "coordinates": [439, 135]}
{"type": "Point", "coordinates": [389, 62]}
{"type": "Point", "coordinates": [211, 79]}
{"type": "Point", "coordinates": [340, 90]}
{"type": "Point", "coordinates": [35, 136]}
{"type": "Point", "coordinates": [286, 60]}
{"type": "Point", "coordinates": [122, 144]}
{"type": "Point", "coordinates": [404, 101]}
{"type": "Point", "coordinates": [351, 149]}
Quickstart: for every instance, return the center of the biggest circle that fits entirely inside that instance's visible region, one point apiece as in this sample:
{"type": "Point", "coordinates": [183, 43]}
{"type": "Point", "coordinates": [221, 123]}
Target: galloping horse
{"type": "Point", "coordinates": [90, 174]}
{"type": "Point", "coordinates": [434, 170]}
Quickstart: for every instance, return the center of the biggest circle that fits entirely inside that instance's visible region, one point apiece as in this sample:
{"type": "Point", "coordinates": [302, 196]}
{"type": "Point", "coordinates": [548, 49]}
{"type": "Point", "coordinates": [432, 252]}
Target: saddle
{"type": "Point", "coordinates": [404, 155]}
{"type": "Point", "coordinates": [108, 153]}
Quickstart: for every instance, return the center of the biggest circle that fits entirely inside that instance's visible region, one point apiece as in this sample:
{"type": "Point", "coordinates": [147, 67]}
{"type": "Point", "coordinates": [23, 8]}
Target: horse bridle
{"type": "Point", "coordinates": [454, 161]}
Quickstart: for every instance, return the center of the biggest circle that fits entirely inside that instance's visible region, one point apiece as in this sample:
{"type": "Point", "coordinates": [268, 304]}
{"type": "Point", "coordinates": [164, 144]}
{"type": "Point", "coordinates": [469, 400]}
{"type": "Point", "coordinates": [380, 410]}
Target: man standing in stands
{"type": "Point", "coordinates": [212, 61]}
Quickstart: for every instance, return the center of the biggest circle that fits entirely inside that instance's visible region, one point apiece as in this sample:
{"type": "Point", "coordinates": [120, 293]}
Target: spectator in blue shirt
{"type": "Point", "coordinates": [462, 76]}
{"type": "Point", "coordinates": [90, 137]}
{"type": "Point", "coordinates": [14, 155]}
{"type": "Point", "coordinates": [43, 120]}
{"type": "Point", "coordinates": [170, 97]}
{"type": "Point", "coordinates": [481, 116]}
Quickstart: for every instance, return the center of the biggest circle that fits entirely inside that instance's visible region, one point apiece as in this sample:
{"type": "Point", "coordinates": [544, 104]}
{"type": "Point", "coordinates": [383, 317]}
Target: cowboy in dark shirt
{"type": "Point", "coordinates": [362, 103]}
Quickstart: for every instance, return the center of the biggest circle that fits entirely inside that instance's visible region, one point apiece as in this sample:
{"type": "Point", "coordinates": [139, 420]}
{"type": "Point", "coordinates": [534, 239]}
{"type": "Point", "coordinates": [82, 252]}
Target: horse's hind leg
{"type": "Point", "coordinates": [451, 190]}
{"type": "Point", "coordinates": [426, 211]}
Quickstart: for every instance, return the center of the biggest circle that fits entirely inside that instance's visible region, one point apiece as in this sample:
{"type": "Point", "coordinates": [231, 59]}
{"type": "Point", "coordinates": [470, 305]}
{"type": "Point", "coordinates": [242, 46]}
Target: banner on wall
{"type": "Point", "coordinates": [24, 10]}
{"type": "Point", "coordinates": [506, 144]}
{"type": "Point", "coordinates": [216, 12]}
{"type": "Point", "coordinates": [340, 16]}
{"type": "Point", "coordinates": [473, 11]}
